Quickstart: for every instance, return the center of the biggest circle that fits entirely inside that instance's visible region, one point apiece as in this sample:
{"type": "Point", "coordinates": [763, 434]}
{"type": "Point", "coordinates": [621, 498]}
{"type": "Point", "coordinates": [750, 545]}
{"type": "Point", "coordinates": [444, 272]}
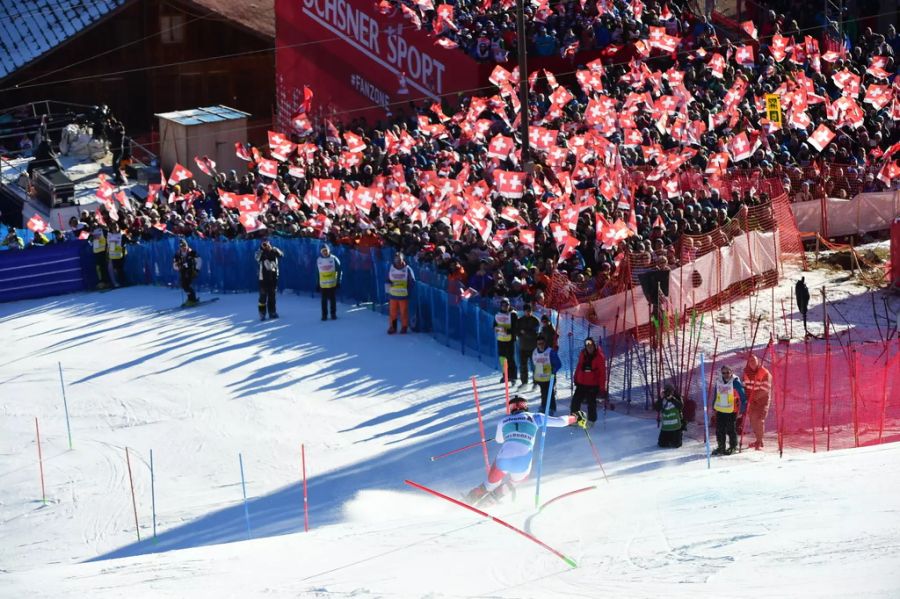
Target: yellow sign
{"type": "Point", "coordinates": [773, 110]}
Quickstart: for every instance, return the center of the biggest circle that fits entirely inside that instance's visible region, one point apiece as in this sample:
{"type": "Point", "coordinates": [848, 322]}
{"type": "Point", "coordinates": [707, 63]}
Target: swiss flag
{"type": "Point", "coordinates": [268, 168]}
{"type": "Point", "coordinates": [716, 66]}
{"type": "Point", "coordinates": [152, 194]}
{"type": "Point", "coordinates": [179, 173]}
{"type": "Point", "coordinates": [744, 55]}
{"type": "Point", "coordinates": [821, 137]}
{"type": "Point", "coordinates": [276, 139]}
{"type": "Point", "coordinates": [509, 184]}
{"type": "Point", "coordinates": [301, 124]}
{"type": "Point", "coordinates": [568, 248]}
{"type": "Point", "coordinates": [717, 164]}
{"type": "Point", "coordinates": [526, 238]}
{"type": "Point", "coordinates": [206, 165]}
{"type": "Point", "coordinates": [355, 142]}
{"type": "Point", "coordinates": [740, 148]}
{"type": "Point", "coordinates": [889, 172]}
{"type": "Point", "coordinates": [500, 147]}
{"type": "Point", "coordinates": [247, 203]}
{"type": "Point", "coordinates": [499, 76]}
{"type": "Point", "coordinates": [446, 43]}
{"type": "Point", "coordinates": [37, 224]}
{"type": "Point", "coordinates": [749, 28]}
{"type": "Point", "coordinates": [241, 152]}
{"type": "Point", "coordinates": [251, 221]}
{"type": "Point", "coordinates": [228, 199]}
{"type": "Point", "coordinates": [778, 47]}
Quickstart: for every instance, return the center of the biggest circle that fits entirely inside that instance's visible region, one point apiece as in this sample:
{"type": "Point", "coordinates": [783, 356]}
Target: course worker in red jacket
{"type": "Point", "coordinates": [590, 379]}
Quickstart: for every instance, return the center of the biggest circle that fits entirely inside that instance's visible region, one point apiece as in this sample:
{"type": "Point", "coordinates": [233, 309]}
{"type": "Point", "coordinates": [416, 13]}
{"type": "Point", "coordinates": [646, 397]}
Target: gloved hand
{"type": "Point", "coordinates": [581, 419]}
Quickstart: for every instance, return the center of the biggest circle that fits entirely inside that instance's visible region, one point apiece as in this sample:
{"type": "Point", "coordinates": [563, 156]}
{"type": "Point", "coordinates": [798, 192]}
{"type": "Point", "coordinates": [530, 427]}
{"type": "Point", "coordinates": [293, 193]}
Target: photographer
{"type": "Point", "coordinates": [267, 256]}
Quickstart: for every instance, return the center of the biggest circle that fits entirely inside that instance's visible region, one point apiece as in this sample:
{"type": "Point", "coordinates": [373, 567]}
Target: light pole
{"type": "Point", "coordinates": [523, 85]}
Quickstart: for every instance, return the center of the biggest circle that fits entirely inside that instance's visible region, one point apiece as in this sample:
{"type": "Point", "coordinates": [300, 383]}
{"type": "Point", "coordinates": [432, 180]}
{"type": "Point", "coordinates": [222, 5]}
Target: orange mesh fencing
{"type": "Point", "coordinates": [833, 395]}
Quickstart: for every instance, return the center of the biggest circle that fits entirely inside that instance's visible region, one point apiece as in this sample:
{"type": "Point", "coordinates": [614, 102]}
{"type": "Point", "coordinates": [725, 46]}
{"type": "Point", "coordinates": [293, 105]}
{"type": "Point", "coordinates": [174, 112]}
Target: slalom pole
{"type": "Point", "coordinates": [537, 488]}
{"type": "Point", "coordinates": [37, 434]}
{"type": "Point", "coordinates": [244, 489]}
{"type": "Point", "coordinates": [705, 409]}
{"type": "Point", "coordinates": [65, 403]}
{"type": "Point", "coordinates": [133, 498]}
{"type": "Point", "coordinates": [152, 495]}
{"type": "Point", "coordinates": [564, 495]}
{"type": "Point", "coordinates": [506, 382]}
{"type": "Point", "coordinates": [530, 537]}
{"type": "Point", "coordinates": [459, 449]}
{"type": "Point", "coordinates": [305, 495]}
{"type": "Point", "coordinates": [596, 454]}
{"type": "Point", "coordinates": [487, 462]}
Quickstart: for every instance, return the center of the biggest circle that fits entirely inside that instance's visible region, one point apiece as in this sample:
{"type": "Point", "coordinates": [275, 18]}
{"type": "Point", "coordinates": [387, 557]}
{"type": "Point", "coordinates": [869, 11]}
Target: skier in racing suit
{"type": "Point", "coordinates": [517, 433]}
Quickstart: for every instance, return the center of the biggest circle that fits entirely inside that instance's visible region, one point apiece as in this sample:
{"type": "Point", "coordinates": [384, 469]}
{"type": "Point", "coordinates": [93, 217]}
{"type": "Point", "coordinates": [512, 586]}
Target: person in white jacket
{"type": "Point", "coordinates": [517, 433]}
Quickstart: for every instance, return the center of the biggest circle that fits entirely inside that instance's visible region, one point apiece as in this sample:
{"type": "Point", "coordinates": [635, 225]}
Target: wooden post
{"type": "Point", "coordinates": [817, 250]}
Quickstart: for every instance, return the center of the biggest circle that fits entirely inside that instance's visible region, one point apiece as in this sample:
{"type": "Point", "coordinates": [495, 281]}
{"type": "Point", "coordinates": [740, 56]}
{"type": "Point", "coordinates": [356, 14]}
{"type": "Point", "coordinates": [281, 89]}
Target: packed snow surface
{"type": "Point", "coordinates": [198, 387]}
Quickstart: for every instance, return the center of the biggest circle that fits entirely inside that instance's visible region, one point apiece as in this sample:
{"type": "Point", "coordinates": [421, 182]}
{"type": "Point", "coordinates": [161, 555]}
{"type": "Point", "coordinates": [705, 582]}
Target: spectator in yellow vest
{"type": "Point", "coordinates": [729, 401]}
{"type": "Point", "coordinates": [400, 280]}
{"type": "Point", "coordinates": [329, 282]}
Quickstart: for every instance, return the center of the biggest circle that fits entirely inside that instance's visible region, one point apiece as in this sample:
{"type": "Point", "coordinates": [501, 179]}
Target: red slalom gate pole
{"type": "Point", "coordinates": [133, 499]}
{"type": "Point", "coordinates": [37, 433]}
{"type": "Point", "coordinates": [487, 462]}
{"type": "Point", "coordinates": [305, 496]}
{"type": "Point", "coordinates": [459, 449]}
{"type": "Point", "coordinates": [531, 538]}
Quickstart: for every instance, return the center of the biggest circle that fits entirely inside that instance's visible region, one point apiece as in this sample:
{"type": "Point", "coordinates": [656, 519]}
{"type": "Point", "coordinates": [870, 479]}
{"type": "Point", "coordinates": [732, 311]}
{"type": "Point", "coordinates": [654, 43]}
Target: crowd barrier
{"type": "Point", "coordinates": [834, 217]}
{"type": "Point", "coordinates": [45, 271]}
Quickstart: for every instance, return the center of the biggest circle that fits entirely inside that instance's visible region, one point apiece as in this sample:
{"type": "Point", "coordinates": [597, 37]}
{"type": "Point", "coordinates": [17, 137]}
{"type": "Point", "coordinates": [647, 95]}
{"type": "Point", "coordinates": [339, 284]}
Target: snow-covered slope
{"type": "Point", "coordinates": [200, 386]}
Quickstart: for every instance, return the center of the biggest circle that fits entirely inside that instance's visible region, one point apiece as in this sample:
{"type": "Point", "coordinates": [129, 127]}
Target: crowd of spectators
{"type": "Point", "coordinates": [628, 158]}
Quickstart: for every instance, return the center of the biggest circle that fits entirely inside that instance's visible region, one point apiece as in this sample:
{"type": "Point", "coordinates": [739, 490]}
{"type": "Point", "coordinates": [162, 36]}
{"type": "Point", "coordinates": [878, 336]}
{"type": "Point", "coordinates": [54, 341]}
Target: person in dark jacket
{"type": "Point", "coordinates": [590, 379]}
{"type": "Point", "coordinates": [803, 300]}
{"type": "Point", "coordinates": [549, 333]}
{"type": "Point", "coordinates": [187, 264]}
{"type": "Point", "coordinates": [527, 328]}
{"type": "Point", "coordinates": [267, 256]}
{"type": "Point", "coordinates": [670, 406]}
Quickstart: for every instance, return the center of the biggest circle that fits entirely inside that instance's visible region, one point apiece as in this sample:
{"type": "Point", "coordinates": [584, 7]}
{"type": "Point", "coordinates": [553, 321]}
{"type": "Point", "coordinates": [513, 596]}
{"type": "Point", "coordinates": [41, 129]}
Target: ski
{"type": "Point", "coordinates": [186, 306]}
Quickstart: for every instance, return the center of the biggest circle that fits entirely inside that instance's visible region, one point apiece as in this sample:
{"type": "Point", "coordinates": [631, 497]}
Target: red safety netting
{"type": "Point", "coordinates": [834, 395]}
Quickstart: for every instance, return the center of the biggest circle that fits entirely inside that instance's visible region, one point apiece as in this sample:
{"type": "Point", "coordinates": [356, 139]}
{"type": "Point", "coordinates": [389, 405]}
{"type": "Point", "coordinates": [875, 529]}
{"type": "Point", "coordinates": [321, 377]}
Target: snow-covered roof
{"type": "Point", "coordinates": [31, 28]}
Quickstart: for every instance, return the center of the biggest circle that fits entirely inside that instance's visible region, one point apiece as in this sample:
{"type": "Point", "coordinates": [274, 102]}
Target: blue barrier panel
{"type": "Point", "coordinates": [230, 266]}
{"type": "Point", "coordinates": [41, 272]}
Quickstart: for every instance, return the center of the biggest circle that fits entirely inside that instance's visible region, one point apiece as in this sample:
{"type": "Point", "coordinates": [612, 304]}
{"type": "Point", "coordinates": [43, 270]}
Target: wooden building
{"type": "Point", "coordinates": [141, 57]}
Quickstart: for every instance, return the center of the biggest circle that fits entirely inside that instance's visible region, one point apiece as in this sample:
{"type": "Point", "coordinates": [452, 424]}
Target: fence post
{"type": "Point", "coordinates": [854, 395]}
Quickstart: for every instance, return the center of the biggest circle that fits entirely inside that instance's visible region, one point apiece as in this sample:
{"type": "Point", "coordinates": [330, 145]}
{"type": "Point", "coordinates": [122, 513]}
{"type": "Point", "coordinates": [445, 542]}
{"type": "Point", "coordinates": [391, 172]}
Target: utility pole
{"type": "Point", "coordinates": [523, 85]}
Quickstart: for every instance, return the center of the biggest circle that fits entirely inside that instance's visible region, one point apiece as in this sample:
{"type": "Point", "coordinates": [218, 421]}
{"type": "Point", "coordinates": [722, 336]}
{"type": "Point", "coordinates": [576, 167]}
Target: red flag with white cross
{"type": "Point", "coordinates": [179, 173]}
{"type": "Point", "coordinates": [37, 224]}
{"type": "Point", "coordinates": [821, 137]}
{"type": "Point", "coordinates": [509, 184]}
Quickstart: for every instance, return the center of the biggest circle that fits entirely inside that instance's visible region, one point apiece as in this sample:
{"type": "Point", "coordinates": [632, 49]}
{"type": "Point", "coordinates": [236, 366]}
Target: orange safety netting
{"type": "Point", "coordinates": [833, 394]}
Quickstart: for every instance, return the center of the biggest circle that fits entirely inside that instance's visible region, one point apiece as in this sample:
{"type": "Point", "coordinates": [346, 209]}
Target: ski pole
{"type": "Point", "coordinates": [596, 454]}
{"type": "Point", "coordinates": [537, 489]}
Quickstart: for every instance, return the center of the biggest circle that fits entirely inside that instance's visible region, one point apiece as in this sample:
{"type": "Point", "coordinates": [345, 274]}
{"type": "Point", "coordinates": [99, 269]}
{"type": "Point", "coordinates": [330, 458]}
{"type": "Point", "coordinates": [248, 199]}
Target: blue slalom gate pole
{"type": "Point", "coordinates": [153, 495]}
{"type": "Point", "coordinates": [537, 489]}
{"type": "Point", "coordinates": [244, 489]}
{"type": "Point", "coordinates": [705, 410]}
{"type": "Point", "coordinates": [65, 404]}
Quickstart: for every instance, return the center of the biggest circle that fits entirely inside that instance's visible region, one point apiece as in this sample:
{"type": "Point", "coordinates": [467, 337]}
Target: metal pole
{"type": "Point", "coordinates": [523, 84]}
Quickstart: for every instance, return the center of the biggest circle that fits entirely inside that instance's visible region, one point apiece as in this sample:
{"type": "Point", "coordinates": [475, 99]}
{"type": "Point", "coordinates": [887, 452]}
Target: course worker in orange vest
{"type": "Point", "coordinates": [758, 384]}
